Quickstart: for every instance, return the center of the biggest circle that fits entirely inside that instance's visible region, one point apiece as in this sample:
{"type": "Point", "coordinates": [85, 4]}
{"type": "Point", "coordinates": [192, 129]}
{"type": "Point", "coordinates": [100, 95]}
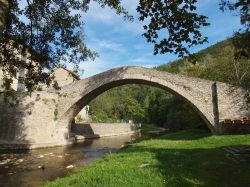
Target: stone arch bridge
{"type": "Point", "coordinates": [44, 119]}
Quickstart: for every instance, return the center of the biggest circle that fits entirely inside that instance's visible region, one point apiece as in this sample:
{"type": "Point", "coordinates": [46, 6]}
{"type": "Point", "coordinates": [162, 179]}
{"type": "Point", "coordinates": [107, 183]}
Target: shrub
{"type": "Point", "coordinates": [78, 117]}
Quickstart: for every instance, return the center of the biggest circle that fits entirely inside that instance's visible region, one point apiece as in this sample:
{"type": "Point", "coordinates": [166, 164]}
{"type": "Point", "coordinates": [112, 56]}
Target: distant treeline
{"type": "Point", "coordinates": [220, 62]}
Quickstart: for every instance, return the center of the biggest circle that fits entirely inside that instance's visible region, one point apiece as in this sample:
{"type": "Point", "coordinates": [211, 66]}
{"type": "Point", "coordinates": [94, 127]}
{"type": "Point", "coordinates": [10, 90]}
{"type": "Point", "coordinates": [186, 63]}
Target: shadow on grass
{"type": "Point", "coordinates": [196, 166]}
{"type": "Point", "coordinates": [185, 135]}
{"type": "Point", "coordinates": [195, 163]}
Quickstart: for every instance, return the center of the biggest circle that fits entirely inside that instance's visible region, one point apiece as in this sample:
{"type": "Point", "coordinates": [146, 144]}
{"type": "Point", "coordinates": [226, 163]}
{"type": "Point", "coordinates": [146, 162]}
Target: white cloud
{"type": "Point", "coordinates": [99, 14]}
{"type": "Point", "coordinates": [92, 67]}
{"type": "Point", "coordinates": [141, 46]}
{"type": "Point", "coordinates": [106, 44]}
{"type": "Point", "coordinates": [107, 16]}
{"type": "Point", "coordinates": [139, 60]}
{"type": "Point", "coordinates": [204, 3]}
{"type": "Point", "coordinates": [149, 60]}
{"type": "Point", "coordinates": [101, 64]}
{"type": "Point", "coordinates": [135, 28]}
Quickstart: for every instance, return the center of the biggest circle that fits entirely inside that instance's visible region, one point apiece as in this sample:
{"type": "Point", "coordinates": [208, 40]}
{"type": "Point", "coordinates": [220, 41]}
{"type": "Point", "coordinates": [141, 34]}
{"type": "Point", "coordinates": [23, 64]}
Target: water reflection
{"type": "Point", "coordinates": [32, 168]}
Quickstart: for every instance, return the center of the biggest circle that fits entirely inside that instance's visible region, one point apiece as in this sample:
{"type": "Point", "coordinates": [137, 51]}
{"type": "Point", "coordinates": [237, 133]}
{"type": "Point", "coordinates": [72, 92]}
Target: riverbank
{"type": "Point", "coordinates": [32, 168]}
{"type": "Point", "coordinates": [147, 128]}
{"type": "Point", "coordinates": [186, 158]}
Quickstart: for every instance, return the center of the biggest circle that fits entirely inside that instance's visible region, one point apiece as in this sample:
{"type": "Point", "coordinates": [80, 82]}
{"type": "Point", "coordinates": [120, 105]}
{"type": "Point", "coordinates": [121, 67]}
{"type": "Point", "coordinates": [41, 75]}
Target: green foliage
{"type": "Point", "coordinates": [133, 109]}
{"type": "Point", "coordinates": [56, 112]}
{"type": "Point", "coordinates": [180, 115]}
{"type": "Point", "coordinates": [11, 97]}
{"type": "Point", "coordinates": [218, 63]}
{"type": "Point", "coordinates": [144, 104]}
{"type": "Point", "coordinates": [117, 104]}
{"type": "Point", "coordinates": [101, 117]}
{"type": "Point", "coordinates": [242, 9]}
{"type": "Point", "coordinates": [172, 112]}
{"type": "Point", "coordinates": [78, 117]}
{"type": "Point", "coordinates": [49, 33]}
{"type": "Point", "coordinates": [179, 19]}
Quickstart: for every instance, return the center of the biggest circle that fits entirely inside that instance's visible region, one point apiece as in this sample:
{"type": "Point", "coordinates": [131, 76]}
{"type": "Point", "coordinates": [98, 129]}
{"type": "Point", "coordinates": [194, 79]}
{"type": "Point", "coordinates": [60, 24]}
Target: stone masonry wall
{"type": "Point", "coordinates": [91, 130]}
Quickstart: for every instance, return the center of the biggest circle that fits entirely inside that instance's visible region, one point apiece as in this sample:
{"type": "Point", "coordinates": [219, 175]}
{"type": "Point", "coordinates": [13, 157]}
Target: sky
{"type": "Point", "coordinates": [120, 43]}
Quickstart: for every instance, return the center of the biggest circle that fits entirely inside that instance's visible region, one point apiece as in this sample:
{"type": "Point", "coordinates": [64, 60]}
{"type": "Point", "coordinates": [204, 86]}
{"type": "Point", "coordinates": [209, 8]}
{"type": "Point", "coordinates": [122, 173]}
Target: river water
{"type": "Point", "coordinates": [32, 168]}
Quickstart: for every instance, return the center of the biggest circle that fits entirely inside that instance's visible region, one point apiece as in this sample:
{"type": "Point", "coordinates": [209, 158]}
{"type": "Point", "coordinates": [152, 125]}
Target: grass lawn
{"type": "Point", "coordinates": [149, 127]}
{"type": "Point", "coordinates": [185, 158]}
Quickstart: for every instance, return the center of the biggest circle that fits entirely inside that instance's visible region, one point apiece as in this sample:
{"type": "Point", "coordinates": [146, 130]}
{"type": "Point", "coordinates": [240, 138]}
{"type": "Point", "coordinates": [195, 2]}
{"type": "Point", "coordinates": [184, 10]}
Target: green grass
{"type": "Point", "coordinates": [185, 158]}
{"type": "Point", "coordinates": [149, 127]}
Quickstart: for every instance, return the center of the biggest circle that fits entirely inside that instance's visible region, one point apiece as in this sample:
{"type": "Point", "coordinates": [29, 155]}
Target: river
{"type": "Point", "coordinates": [31, 168]}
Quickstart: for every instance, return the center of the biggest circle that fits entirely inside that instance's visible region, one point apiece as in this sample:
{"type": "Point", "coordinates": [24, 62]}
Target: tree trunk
{"type": "Point", "coordinates": [4, 6]}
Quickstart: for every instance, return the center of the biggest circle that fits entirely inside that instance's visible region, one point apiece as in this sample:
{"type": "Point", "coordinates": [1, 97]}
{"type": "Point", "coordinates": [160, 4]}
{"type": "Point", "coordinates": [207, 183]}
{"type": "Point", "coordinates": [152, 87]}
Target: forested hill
{"type": "Point", "coordinates": [216, 62]}
{"type": "Point", "coordinates": [213, 51]}
{"type": "Point", "coordinates": [151, 105]}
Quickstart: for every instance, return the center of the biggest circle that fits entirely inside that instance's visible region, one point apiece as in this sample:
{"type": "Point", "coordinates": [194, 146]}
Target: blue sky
{"type": "Point", "coordinates": [119, 42]}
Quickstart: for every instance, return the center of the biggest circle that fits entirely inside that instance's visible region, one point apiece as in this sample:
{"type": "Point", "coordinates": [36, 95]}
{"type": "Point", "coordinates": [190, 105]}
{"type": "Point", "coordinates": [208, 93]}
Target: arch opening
{"type": "Point", "coordinates": [92, 94]}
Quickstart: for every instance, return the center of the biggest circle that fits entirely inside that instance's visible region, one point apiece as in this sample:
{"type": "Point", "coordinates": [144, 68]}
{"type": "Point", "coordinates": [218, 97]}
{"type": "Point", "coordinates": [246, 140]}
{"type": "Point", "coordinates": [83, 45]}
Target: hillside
{"type": "Point", "coordinates": [217, 62]}
{"type": "Point", "coordinates": [214, 51]}
{"type": "Point", "coordinates": [152, 105]}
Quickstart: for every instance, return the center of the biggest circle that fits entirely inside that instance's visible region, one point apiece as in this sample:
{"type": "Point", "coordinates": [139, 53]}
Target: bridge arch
{"type": "Point", "coordinates": [76, 108]}
{"type": "Point", "coordinates": [196, 92]}
{"type": "Point", "coordinates": [44, 119]}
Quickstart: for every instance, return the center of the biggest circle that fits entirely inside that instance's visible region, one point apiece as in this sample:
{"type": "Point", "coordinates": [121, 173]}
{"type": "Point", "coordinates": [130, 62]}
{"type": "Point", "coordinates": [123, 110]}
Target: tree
{"type": "Point", "coordinates": [241, 38]}
{"type": "Point", "coordinates": [52, 33]}
{"type": "Point", "coordinates": [133, 109]}
{"type": "Point", "coordinates": [47, 32]}
{"type": "Point", "coordinates": [240, 6]}
{"type": "Point", "coordinates": [180, 21]}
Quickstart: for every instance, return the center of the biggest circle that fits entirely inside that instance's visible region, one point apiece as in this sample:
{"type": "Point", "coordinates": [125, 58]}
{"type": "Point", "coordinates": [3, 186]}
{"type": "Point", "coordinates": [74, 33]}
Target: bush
{"type": "Point", "coordinates": [78, 117]}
